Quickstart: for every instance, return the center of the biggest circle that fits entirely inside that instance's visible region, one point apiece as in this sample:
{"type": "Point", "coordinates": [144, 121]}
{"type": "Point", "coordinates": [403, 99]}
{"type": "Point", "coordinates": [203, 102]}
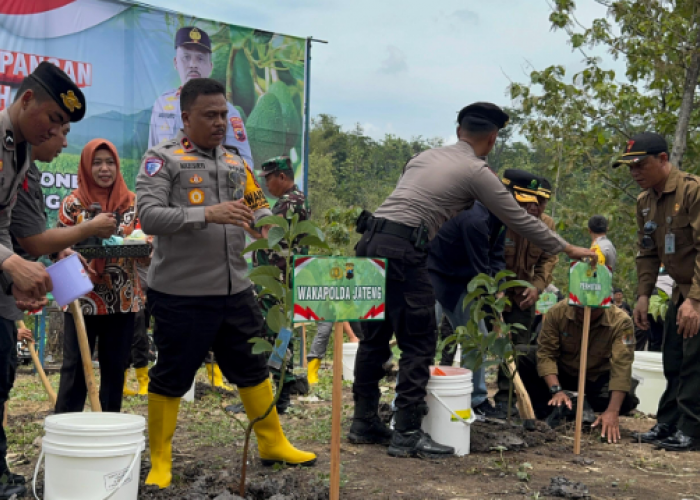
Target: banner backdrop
{"type": "Point", "coordinates": [124, 57]}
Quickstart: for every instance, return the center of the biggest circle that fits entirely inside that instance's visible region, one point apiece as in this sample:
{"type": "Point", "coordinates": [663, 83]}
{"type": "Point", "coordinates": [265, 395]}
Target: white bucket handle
{"type": "Point", "coordinates": [472, 417]}
{"type": "Point", "coordinates": [137, 454]}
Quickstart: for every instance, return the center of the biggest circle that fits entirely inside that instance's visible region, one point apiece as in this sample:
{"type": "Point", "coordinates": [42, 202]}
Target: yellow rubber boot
{"type": "Point", "coordinates": [216, 377]}
{"type": "Point", "coordinates": [272, 444]}
{"type": "Point", "coordinates": [127, 391]}
{"type": "Point", "coordinates": [162, 419]}
{"type": "Point", "coordinates": [312, 374]}
{"type": "Point", "coordinates": [142, 377]}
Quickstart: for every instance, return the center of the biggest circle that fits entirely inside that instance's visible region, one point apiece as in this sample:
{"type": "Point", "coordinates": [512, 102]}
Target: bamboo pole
{"type": "Point", "coordinates": [582, 379]}
{"type": "Point", "coordinates": [93, 391]}
{"type": "Point", "coordinates": [337, 407]}
{"type": "Point", "coordinates": [39, 368]}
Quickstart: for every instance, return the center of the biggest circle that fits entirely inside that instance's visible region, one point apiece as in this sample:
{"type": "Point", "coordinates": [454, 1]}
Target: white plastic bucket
{"type": "Point", "coordinates": [70, 280]}
{"type": "Point", "coordinates": [92, 456]}
{"type": "Point", "coordinates": [648, 369]}
{"type": "Point", "coordinates": [189, 395]}
{"type": "Point", "coordinates": [449, 402]}
{"type": "Point", "coordinates": [349, 355]}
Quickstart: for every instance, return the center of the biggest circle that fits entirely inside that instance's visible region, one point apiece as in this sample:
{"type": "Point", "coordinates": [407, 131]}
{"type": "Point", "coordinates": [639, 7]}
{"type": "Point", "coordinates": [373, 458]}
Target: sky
{"type": "Point", "coordinates": [406, 67]}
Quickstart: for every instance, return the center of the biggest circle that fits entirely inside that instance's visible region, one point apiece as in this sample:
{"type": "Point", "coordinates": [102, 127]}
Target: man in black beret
{"type": "Point", "coordinates": [435, 186]}
{"type": "Point", "coordinates": [46, 100]}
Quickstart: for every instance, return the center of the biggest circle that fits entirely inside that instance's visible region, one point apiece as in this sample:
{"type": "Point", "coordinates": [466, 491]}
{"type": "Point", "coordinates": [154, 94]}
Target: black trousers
{"type": "Point", "coordinates": [8, 367]}
{"type": "Point", "coordinates": [680, 404]}
{"type": "Point", "coordinates": [653, 336]}
{"type": "Point", "coordinates": [139, 348]}
{"type": "Point", "coordinates": [113, 334]}
{"type": "Point", "coordinates": [522, 340]}
{"type": "Point", "coordinates": [410, 314]}
{"type": "Point", "coordinates": [597, 392]}
{"type": "Point", "coordinates": [187, 328]}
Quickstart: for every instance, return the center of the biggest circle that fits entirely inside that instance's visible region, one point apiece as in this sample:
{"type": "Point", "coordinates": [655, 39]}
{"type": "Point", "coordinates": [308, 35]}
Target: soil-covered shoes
{"type": "Point", "coordinates": [485, 410]}
{"type": "Point", "coordinates": [409, 440]}
{"type": "Point", "coordinates": [680, 442]}
{"type": "Point", "coordinates": [367, 427]}
{"type": "Point", "coordinates": [657, 433]}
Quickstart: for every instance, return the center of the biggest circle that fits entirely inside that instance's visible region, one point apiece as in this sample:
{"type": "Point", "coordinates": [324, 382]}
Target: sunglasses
{"type": "Point", "coordinates": [648, 229]}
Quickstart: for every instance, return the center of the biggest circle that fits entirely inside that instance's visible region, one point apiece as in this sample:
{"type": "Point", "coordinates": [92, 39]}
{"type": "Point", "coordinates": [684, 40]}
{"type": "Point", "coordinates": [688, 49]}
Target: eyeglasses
{"type": "Point", "coordinates": [648, 229]}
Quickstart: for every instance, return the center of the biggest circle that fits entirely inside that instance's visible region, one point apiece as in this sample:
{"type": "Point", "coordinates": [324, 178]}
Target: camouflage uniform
{"type": "Point", "coordinates": [294, 201]}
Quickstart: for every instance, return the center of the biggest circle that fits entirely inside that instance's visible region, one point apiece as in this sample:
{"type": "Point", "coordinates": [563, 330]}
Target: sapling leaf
{"type": "Point", "coordinates": [260, 345]}
{"type": "Point", "coordinates": [270, 284]}
{"type": "Point", "coordinates": [505, 273]}
{"type": "Point", "coordinates": [272, 271]}
{"type": "Point", "coordinates": [273, 220]}
{"type": "Point", "coordinates": [313, 241]}
{"type": "Point", "coordinates": [513, 284]}
{"type": "Point", "coordinates": [274, 236]}
{"type": "Point", "coordinates": [260, 244]}
{"type": "Point", "coordinates": [275, 319]}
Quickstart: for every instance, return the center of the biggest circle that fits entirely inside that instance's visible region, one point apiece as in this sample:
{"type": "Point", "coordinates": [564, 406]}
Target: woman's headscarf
{"type": "Point", "coordinates": [116, 198]}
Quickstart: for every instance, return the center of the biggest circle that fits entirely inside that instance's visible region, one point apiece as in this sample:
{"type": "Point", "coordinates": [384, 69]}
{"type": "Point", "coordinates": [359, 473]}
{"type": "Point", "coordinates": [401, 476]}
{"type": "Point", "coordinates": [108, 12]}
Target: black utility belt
{"type": "Point", "coordinates": [418, 236]}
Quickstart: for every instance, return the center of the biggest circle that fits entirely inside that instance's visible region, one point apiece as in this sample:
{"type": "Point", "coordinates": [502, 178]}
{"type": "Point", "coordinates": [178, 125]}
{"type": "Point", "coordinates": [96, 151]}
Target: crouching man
{"type": "Point", "coordinates": [551, 373]}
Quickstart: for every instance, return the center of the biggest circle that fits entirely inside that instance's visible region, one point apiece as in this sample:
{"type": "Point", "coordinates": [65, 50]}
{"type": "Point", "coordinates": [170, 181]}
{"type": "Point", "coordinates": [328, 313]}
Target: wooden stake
{"type": "Point", "coordinates": [524, 404]}
{"type": "Point", "coordinates": [93, 392]}
{"type": "Point", "coordinates": [582, 379]}
{"type": "Point", "coordinates": [39, 368]}
{"type": "Point", "coordinates": [337, 407]}
{"type": "Point", "coordinates": [303, 345]}
{"type": "Point", "coordinates": [4, 415]}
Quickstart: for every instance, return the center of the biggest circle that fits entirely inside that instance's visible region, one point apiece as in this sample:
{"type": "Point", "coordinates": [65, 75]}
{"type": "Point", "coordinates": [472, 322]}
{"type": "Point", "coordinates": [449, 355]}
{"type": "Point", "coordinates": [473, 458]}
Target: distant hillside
{"type": "Point", "coordinates": [129, 133]}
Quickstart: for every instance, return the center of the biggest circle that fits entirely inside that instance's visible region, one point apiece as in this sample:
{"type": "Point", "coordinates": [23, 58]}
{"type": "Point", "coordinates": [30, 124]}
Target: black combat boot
{"type": "Point", "coordinates": [409, 440]}
{"type": "Point", "coordinates": [367, 427]}
{"type": "Point", "coordinates": [657, 433]}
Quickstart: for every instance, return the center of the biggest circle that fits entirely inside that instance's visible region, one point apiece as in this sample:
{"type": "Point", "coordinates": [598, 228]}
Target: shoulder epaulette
{"type": "Point", "coordinates": [233, 149]}
{"type": "Point", "coordinates": [409, 161]}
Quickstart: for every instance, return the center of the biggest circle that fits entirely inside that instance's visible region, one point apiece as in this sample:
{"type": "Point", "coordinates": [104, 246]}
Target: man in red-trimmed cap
{"type": "Point", "coordinates": [668, 217]}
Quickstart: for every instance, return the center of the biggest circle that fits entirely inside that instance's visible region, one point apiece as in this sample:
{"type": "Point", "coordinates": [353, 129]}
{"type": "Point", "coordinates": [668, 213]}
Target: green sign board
{"type": "Point", "coordinates": [545, 302]}
{"type": "Point", "coordinates": [589, 286]}
{"type": "Point", "coordinates": [338, 288]}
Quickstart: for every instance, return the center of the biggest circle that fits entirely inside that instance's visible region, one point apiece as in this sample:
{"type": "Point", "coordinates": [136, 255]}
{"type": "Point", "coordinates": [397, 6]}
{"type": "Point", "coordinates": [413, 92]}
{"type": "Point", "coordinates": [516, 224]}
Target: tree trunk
{"type": "Point", "coordinates": [691, 82]}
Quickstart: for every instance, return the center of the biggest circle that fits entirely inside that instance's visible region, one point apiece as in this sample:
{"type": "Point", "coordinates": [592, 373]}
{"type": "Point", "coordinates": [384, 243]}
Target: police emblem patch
{"type": "Point", "coordinates": [196, 196]}
{"type": "Point", "coordinates": [187, 144]}
{"type": "Point", "coordinates": [238, 129]}
{"type": "Point", "coordinates": [195, 179]}
{"type": "Point", "coordinates": [152, 166]}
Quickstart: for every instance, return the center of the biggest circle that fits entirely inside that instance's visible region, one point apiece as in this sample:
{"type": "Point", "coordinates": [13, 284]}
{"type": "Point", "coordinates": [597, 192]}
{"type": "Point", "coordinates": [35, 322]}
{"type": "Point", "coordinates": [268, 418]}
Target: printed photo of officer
{"type": "Point", "coordinates": [193, 60]}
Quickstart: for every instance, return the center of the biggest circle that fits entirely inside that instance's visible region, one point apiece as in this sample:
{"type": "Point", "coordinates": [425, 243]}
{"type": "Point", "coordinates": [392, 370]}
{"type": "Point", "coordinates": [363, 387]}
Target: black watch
{"type": "Point", "coordinates": [555, 389]}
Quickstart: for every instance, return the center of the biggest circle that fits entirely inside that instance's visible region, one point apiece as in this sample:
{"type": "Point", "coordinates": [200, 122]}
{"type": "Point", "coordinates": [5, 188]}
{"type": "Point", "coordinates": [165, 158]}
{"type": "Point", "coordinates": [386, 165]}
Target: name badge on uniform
{"type": "Point", "coordinates": [670, 244]}
{"type": "Point", "coordinates": [509, 242]}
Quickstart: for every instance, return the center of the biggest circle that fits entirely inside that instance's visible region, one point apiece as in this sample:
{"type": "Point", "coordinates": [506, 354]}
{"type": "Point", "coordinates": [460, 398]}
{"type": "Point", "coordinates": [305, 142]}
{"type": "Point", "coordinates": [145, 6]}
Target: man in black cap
{"type": "Point", "coordinates": [668, 218]}
{"type": "Point", "coordinates": [46, 100]}
{"type": "Point", "coordinates": [435, 186]}
{"type": "Point", "coordinates": [193, 60]}
{"type": "Point", "coordinates": [530, 263]}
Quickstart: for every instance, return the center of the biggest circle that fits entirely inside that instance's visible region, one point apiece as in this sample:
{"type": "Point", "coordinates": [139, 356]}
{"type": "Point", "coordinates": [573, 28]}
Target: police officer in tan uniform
{"type": "Point", "coordinates": [668, 218]}
{"type": "Point", "coordinates": [530, 263]}
{"type": "Point", "coordinates": [435, 186]}
{"type": "Point", "coordinates": [552, 374]}
{"type": "Point", "coordinates": [195, 197]}
{"type": "Point", "coordinates": [45, 101]}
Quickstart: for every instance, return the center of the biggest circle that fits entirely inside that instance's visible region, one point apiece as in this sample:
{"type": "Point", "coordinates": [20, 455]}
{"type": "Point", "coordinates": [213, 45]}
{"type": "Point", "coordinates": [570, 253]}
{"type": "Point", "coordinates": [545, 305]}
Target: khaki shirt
{"type": "Point", "coordinates": [175, 183]}
{"type": "Point", "coordinates": [529, 262]}
{"type": "Point", "coordinates": [676, 211]}
{"type": "Point", "coordinates": [439, 183]}
{"type": "Point", "coordinates": [610, 345]}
